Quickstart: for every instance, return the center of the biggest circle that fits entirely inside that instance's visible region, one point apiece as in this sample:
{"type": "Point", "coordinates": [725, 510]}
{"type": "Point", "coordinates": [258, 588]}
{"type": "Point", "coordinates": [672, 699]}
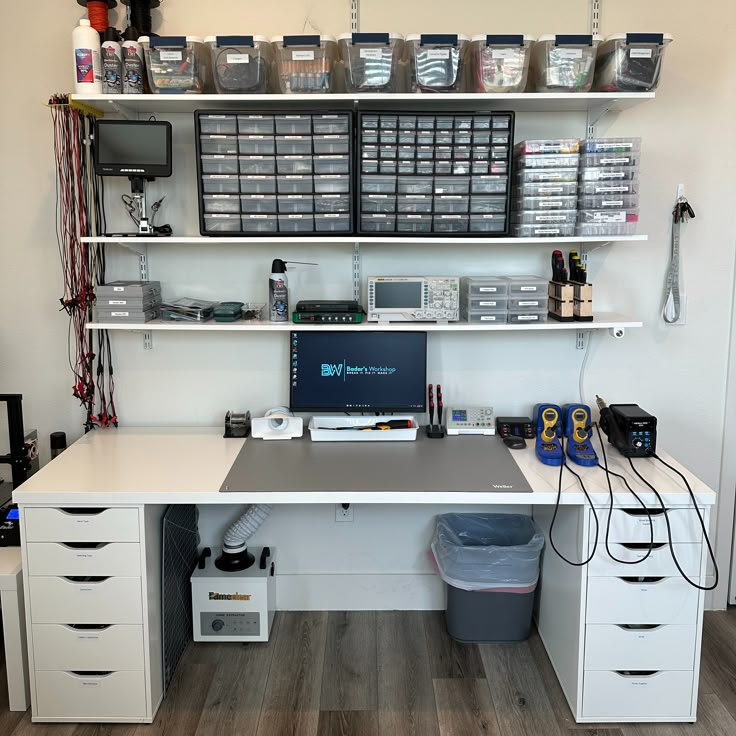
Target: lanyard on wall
{"type": "Point", "coordinates": [672, 307]}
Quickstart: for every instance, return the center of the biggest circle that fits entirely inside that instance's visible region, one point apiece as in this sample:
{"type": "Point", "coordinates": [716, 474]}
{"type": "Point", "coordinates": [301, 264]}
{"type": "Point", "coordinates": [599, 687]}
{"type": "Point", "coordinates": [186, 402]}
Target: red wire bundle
{"type": "Point", "coordinates": [97, 12]}
{"type": "Point", "coordinates": [75, 195]}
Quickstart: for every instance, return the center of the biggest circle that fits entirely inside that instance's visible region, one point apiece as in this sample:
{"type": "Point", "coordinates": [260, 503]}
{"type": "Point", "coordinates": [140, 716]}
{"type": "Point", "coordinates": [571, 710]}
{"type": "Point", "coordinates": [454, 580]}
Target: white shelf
{"type": "Point", "coordinates": [522, 102]}
{"type": "Point", "coordinates": [362, 239]}
{"type": "Point", "coordinates": [603, 321]}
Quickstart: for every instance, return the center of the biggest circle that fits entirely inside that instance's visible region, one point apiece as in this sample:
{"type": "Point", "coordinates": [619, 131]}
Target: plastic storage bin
{"type": "Point", "coordinates": [435, 62]}
{"type": "Point", "coordinates": [476, 286]}
{"type": "Point", "coordinates": [611, 145]}
{"type": "Point", "coordinates": [546, 161]}
{"type": "Point", "coordinates": [256, 145]}
{"type": "Point", "coordinates": [293, 124]}
{"type": "Point", "coordinates": [220, 184]}
{"type": "Point", "coordinates": [371, 61]}
{"type": "Point", "coordinates": [414, 204]}
{"type": "Point", "coordinates": [296, 223]}
{"type": "Point", "coordinates": [542, 176]}
{"type": "Point", "coordinates": [488, 302]}
{"type": "Point", "coordinates": [258, 184]}
{"type": "Point", "coordinates": [214, 144]}
{"type": "Point", "coordinates": [293, 164]}
{"type": "Point", "coordinates": [549, 146]}
{"type": "Point", "coordinates": [526, 285]}
{"type": "Point", "coordinates": [630, 62]}
{"type": "Point", "coordinates": [258, 204]}
{"type": "Point", "coordinates": [544, 189]}
{"type": "Point", "coordinates": [331, 203]}
{"type": "Point", "coordinates": [484, 317]}
{"type": "Point", "coordinates": [331, 164]}
{"type": "Point", "coordinates": [531, 316]}
{"type": "Point", "coordinates": [177, 64]}
{"type": "Point", "coordinates": [414, 223]}
{"type": "Point", "coordinates": [538, 217]}
{"type": "Point", "coordinates": [305, 64]}
{"type": "Point", "coordinates": [487, 223]}
{"type": "Point", "coordinates": [623, 158]}
{"type": "Point", "coordinates": [332, 223]}
{"type": "Point", "coordinates": [607, 222]}
{"type": "Point", "coordinates": [240, 64]}
{"type": "Point", "coordinates": [255, 165]}
{"type": "Point", "coordinates": [490, 563]}
{"type": "Point", "coordinates": [222, 203]}
{"type": "Point", "coordinates": [608, 201]}
{"type": "Point", "coordinates": [531, 303]}
{"type": "Point", "coordinates": [498, 63]}
{"type": "Point", "coordinates": [221, 223]}
{"type": "Point", "coordinates": [259, 224]}
{"type": "Point", "coordinates": [254, 124]}
{"type": "Point", "coordinates": [218, 125]}
{"type": "Point", "coordinates": [542, 231]}
{"type": "Point", "coordinates": [564, 63]}
{"type": "Point", "coordinates": [609, 188]}
{"type": "Point", "coordinates": [219, 164]}
{"type": "Point", "coordinates": [608, 173]}
{"type": "Point", "coordinates": [546, 203]}
{"type": "Point", "coordinates": [378, 203]}
{"type": "Point", "coordinates": [378, 223]}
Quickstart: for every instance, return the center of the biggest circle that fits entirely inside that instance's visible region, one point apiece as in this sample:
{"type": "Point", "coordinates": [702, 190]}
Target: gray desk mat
{"type": "Point", "coordinates": [469, 464]}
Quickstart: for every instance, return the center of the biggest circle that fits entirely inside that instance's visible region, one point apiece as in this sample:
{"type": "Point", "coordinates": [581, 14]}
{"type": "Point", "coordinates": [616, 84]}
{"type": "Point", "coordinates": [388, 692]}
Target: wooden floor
{"type": "Point", "coordinates": [393, 674]}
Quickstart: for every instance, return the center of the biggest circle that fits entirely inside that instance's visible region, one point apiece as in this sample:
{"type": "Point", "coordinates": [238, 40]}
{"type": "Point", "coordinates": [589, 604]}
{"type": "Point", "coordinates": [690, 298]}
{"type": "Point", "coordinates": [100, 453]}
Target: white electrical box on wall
{"type": "Point", "coordinates": [234, 606]}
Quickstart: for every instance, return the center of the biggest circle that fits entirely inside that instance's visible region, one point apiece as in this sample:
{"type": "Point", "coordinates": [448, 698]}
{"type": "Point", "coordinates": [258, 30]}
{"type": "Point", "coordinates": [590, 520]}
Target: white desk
{"type": "Point", "coordinates": [112, 487]}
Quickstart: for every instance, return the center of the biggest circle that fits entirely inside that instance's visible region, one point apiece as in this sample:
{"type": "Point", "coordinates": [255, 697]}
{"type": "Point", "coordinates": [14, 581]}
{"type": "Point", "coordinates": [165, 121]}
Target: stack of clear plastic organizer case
{"type": "Point", "coordinates": [544, 199]}
{"type": "Point", "coordinates": [608, 189]}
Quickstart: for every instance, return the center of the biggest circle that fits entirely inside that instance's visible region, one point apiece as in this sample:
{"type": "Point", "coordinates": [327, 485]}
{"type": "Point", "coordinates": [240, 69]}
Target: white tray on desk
{"type": "Point", "coordinates": [324, 429]}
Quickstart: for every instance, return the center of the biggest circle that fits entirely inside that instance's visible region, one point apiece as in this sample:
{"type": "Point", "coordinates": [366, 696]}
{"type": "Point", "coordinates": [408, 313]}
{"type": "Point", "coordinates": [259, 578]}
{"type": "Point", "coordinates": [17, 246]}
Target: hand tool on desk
{"type": "Point", "coordinates": [379, 426]}
{"type": "Point", "coordinates": [559, 272]}
{"type": "Point", "coordinates": [435, 431]}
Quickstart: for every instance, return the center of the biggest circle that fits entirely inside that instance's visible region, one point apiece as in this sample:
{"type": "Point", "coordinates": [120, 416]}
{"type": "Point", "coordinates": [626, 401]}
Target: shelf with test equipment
{"type": "Point", "coordinates": [130, 242]}
{"type": "Point", "coordinates": [521, 102]}
{"type": "Point", "coordinates": [603, 321]}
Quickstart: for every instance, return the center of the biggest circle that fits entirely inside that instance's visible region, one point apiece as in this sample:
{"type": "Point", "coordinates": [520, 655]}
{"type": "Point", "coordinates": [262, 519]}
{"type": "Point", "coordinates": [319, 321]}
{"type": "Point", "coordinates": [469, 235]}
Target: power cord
{"type": "Point", "coordinates": [610, 507]}
{"type": "Point", "coordinates": [557, 508]}
{"type": "Point", "coordinates": [669, 527]}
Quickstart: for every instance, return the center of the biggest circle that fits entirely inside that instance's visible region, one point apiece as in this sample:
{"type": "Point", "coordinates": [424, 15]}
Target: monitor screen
{"type": "Point", "coordinates": [358, 371]}
{"type": "Point", "coordinates": [133, 148]}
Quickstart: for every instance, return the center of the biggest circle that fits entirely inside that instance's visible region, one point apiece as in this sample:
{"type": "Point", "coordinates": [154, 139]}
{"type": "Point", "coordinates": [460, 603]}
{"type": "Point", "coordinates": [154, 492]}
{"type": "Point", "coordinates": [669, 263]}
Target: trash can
{"type": "Point", "coordinates": [490, 563]}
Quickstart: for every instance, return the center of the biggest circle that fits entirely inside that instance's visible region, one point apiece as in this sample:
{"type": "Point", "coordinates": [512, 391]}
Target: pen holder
{"type": "Point", "coordinates": [435, 431]}
{"type": "Point", "coordinates": [571, 301]}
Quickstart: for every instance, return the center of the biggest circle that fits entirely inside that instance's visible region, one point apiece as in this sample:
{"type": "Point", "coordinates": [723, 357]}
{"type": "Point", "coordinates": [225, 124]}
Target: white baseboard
{"type": "Point", "coordinates": [403, 592]}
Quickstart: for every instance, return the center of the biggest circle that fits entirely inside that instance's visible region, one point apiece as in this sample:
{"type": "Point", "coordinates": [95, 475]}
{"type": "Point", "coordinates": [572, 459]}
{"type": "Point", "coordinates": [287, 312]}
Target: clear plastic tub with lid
{"type": "Point", "coordinates": [548, 161]}
{"type": "Point", "coordinates": [305, 64]}
{"type": "Point", "coordinates": [546, 189]}
{"type": "Point", "coordinates": [177, 64]}
{"type": "Point", "coordinates": [609, 188]}
{"type": "Point", "coordinates": [607, 222]}
{"type": "Point", "coordinates": [545, 176]}
{"type": "Point", "coordinates": [472, 302]}
{"type": "Point", "coordinates": [498, 63]}
{"type": "Point", "coordinates": [485, 317]}
{"type": "Point", "coordinates": [564, 63]}
{"type": "Point", "coordinates": [544, 217]}
{"type": "Point", "coordinates": [371, 61]}
{"type": "Point", "coordinates": [435, 62]}
{"type": "Point", "coordinates": [594, 160]}
{"type": "Point", "coordinates": [543, 231]}
{"type": "Point", "coordinates": [483, 286]}
{"type": "Point", "coordinates": [548, 146]}
{"type": "Point", "coordinates": [546, 203]}
{"type": "Point", "coordinates": [630, 62]}
{"type": "Point", "coordinates": [611, 145]}
{"type": "Point", "coordinates": [609, 174]}
{"type": "Point", "coordinates": [608, 201]}
{"type": "Point", "coordinates": [240, 64]}
{"type": "Point", "coordinates": [528, 303]}
{"type": "Point", "coordinates": [528, 317]}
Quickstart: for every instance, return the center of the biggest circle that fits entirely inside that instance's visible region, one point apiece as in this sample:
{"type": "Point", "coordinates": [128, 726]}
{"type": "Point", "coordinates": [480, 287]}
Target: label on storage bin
{"type": "Point", "coordinates": [438, 53]}
{"type": "Point", "coordinates": [119, 303]}
{"type": "Point", "coordinates": [551, 203]}
{"type": "Point", "coordinates": [488, 289]}
{"type": "Point", "coordinates": [371, 53]}
{"type": "Point", "coordinates": [610, 189]}
{"type": "Point", "coordinates": [257, 217]}
{"type": "Point", "coordinates": [527, 318]}
{"type": "Point", "coordinates": [612, 174]}
{"type": "Point", "coordinates": [550, 190]}
{"type": "Point", "coordinates": [530, 288]}
{"type": "Point", "coordinates": [504, 53]}
{"type": "Point", "coordinates": [609, 216]}
{"type": "Point", "coordinates": [620, 161]}
{"type": "Point", "coordinates": [489, 318]}
{"type": "Point", "coordinates": [568, 53]}
{"type": "Point", "coordinates": [114, 314]}
{"type": "Point", "coordinates": [257, 196]}
{"type": "Point", "coordinates": [295, 217]}
{"type": "Point", "coordinates": [551, 218]}
{"type": "Point", "coordinates": [302, 55]}
{"type": "Point", "coordinates": [613, 203]}
{"type": "Point", "coordinates": [488, 304]}
{"type": "Point", "coordinates": [238, 58]}
{"type": "Point", "coordinates": [332, 215]}
{"type": "Point", "coordinates": [534, 303]}
{"type": "Point", "coordinates": [640, 53]}
{"type": "Point", "coordinates": [170, 55]}
{"type": "Point", "coordinates": [118, 288]}
{"type": "Point", "coordinates": [547, 231]}
{"type": "Point", "coordinates": [294, 196]}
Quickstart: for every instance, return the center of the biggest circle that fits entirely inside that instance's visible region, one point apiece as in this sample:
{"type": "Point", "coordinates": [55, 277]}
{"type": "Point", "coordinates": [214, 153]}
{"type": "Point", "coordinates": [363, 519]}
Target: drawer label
{"type": "Point", "coordinates": [87, 637]}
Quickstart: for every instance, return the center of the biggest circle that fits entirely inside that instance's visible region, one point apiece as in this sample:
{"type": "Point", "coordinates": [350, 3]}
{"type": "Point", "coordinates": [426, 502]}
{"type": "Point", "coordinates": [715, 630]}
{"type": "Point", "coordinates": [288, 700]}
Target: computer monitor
{"type": "Point", "coordinates": [358, 371]}
{"type": "Point", "coordinates": [133, 148]}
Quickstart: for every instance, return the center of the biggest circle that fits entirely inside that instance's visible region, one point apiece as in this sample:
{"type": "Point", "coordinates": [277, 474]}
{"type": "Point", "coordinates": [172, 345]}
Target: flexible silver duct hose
{"type": "Point", "coordinates": [244, 528]}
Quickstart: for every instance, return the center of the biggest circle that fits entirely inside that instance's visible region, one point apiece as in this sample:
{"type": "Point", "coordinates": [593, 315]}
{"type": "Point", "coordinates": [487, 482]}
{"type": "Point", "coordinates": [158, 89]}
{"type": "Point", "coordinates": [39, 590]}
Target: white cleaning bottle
{"type": "Point", "coordinates": [87, 63]}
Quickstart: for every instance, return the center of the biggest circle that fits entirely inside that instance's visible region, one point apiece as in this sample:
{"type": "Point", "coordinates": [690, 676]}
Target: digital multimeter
{"type": "Point", "coordinates": [471, 420]}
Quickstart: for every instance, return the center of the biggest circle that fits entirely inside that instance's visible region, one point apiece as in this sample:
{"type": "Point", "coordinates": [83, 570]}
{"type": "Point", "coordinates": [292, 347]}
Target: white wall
{"type": "Point", "coordinates": [677, 373]}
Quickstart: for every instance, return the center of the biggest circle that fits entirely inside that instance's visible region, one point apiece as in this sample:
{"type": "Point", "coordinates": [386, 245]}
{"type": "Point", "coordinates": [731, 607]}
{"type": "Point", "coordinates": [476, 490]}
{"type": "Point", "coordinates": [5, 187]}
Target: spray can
{"type": "Point", "coordinates": [133, 71]}
{"type": "Point", "coordinates": [278, 292]}
{"type": "Point", "coordinates": [87, 64]}
{"type": "Point", "coordinates": [112, 63]}
{"type": "Point", "coordinates": [58, 443]}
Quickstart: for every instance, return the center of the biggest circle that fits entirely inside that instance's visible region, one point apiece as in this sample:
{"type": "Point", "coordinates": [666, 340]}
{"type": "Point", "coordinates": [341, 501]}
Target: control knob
{"type": "Point", "coordinates": [218, 624]}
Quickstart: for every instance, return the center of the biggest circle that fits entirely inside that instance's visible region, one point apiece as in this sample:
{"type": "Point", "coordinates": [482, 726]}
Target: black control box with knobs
{"type": "Point", "coordinates": [630, 429]}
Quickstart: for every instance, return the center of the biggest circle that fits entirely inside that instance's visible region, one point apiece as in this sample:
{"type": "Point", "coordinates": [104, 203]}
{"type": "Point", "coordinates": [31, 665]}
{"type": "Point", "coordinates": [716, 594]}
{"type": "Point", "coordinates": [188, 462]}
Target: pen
{"type": "Point", "coordinates": [439, 404]}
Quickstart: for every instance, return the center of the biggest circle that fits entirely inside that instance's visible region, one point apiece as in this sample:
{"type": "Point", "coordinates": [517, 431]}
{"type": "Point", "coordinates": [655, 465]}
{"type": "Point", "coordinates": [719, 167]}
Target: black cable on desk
{"type": "Point", "coordinates": [609, 473]}
{"type": "Point", "coordinates": [557, 507]}
{"type": "Point", "coordinates": [669, 528]}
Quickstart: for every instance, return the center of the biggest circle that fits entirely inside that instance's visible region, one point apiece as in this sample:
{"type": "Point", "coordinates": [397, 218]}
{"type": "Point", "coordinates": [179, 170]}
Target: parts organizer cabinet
{"type": "Point", "coordinates": [623, 650]}
{"type": "Point", "coordinates": [624, 640]}
{"type": "Point", "coordinates": [93, 582]}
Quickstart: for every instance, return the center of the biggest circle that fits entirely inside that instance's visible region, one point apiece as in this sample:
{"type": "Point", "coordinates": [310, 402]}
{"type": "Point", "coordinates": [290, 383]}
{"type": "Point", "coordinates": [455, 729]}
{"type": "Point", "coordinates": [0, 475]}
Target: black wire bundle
{"type": "Point", "coordinates": [140, 15]}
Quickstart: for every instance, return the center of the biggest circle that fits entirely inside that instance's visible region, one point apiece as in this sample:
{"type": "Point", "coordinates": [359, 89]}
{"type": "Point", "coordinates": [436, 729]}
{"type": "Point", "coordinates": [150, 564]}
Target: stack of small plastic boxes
{"type": "Point", "coordinates": [544, 195]}
{"type": "Point", "coordinates": [128, 302]}
{"type": "Point", "coordinates": [503, 299]}
{"type": "Point", "coordinates": [285, 173]}
{"type": "Point", "coordinates": [608, 192]}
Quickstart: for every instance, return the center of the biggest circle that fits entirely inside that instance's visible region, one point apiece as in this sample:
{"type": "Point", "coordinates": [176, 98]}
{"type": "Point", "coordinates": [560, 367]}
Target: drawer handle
{"type": "Point", "coordinates": [643, 512]}
{"type": "Point", "coordinates": [84, 545]}
{"type": "Point", "coordinates": [643, 545]}
{"type": "Point", "coordinates": [90, 675]}
{"type": "Point", "coordinates": [636, 674]}
{"type": "Point", "coordinates": [88, 627]}
{"type": "Point", "coordinates": [71, 511]}
{"type": "Point", "coordinates": [639, 627]}
{"type": "Point", "coordinates": [95, 579]}
{"type": "Point", "coordinates": [643, 579]}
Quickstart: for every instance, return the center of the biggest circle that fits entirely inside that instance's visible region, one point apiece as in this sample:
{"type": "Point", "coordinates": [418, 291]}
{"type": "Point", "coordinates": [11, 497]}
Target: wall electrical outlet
{"type": "Point", "coordinates": [343, 514]}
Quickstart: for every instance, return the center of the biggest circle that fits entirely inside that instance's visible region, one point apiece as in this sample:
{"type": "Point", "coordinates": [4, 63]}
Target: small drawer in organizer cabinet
{"type": "Point", "coordinates": [632, 525]}
{"type": "Point", "coordinates": [98, 695]}
{"type": "Point", "coordinates": [640, 647]}
{"type": "Point", "coordinates": [84, 558]}
{"type": "Point", "coordinates": [88, 647]}
{"type": "Point", "coordinates": [658, 562]}
{"type": "Point", "coordinates": [86, 600]}
{"type": "Point", "coordinates": [81, 524]}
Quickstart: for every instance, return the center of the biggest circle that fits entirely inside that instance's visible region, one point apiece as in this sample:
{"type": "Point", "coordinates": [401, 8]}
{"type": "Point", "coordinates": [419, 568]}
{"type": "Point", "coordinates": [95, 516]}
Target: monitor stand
{"type": "Point", "coordinates": [145, 228]}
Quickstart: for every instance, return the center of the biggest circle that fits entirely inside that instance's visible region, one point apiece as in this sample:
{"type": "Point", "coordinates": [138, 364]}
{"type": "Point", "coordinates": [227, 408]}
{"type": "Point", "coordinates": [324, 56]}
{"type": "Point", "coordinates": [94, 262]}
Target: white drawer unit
{"type": "Point", "coordinates": [631, 525]}
{"type": "Point", "coordinates": [629, 601]}
{"type": "Point", "coordinates": [57, 600]}
{"type": "Point", "coordinates": [658, 563]}
{"type": "Point", "coordinates": [639, 647]}
{"type": "Point", "coordinates": [631, 696]}
{"type": "Point", "coordinates": [81, 525]}
{"type": "Point", "coordinates": [84, 558]}
{"type": "Point", "coordinates": [107, 696]}
{"type": "Point", "coordinates": [86, 648]}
